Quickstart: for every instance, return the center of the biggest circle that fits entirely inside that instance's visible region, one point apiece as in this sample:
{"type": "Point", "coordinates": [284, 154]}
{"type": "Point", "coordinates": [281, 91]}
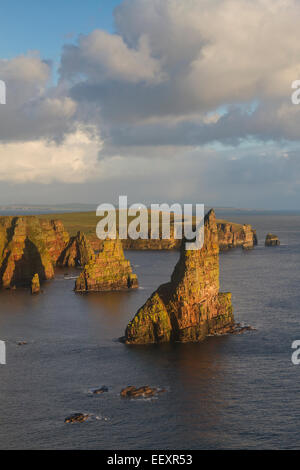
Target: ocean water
{"type": "Point", "coordinates": [230, 392]}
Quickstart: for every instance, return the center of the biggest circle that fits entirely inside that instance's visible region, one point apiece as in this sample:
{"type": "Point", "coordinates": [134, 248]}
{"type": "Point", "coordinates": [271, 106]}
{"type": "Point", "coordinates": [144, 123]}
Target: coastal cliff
{"type": "Point", "coordinates": [189, 307]}
{"type": "Point", "coordinates": [230, 235]}
{"type": "Point", "coordinates": [28, 247]}
{"type": "Point", "coordinates": [108, 271]}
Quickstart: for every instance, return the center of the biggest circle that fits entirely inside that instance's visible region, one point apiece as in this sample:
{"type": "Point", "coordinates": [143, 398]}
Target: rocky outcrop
{"type": "Point", "coordinates": [189, 307]}
{"type": "Point", "coordinates": [29, 246]}
{"type": "Point", "coordinates": [108, 271]}
{"type": "Point", "coordinates": [79, 252]}
{"type": "Point", "coordinates": [233, 235]}
{"type": "Point", "coordinates": [100, 391]}
{"type": "Point", "coordinates": [77, 418]}
{"type": "Point", "coordinates": [142, 392]}
{"type": "Point", "coordinates": [35, 285]}
{"type": "Point", "coordinates": [272, 240]}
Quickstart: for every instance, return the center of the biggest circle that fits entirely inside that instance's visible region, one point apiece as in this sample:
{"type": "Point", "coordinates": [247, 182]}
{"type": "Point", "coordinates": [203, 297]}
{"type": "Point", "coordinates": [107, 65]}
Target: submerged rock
{"type": "Point", "coordinates": [272, 240]}
{"type": "Point", "coordinates": [79, 252]}
{"type": "Point", "coordinates": [133, 392]}
{"type": "Point", "coordinates": [35, 285]}
{"type": "Point", "coordinates": [189, 307]}
{"type": "Point", "coordinates": [108, 271]}
{"type": "Point", "coordinates": [77, 418]}
{"type": "Point", "coordinates": [100, 391]}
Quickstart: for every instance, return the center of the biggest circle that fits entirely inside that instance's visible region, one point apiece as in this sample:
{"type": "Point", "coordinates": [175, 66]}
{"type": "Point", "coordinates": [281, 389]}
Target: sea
{"type": "Point", "coordinates": [228, 392]}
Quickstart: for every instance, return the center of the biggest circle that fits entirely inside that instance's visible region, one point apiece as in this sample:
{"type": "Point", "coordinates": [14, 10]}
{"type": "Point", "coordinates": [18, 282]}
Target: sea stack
{"type": "Point", "coordinates": [233, 235]}
{"type": "Point", "coordinates": [35, 285]}
{"type": "Point", "coordinates": [79, 252]}
{"type": "Point", "coordinates": [190, 306]}
{"type": "Point", "coordinates": [108, 271]}
{"type": "Point", "coordinates": [272, 240]}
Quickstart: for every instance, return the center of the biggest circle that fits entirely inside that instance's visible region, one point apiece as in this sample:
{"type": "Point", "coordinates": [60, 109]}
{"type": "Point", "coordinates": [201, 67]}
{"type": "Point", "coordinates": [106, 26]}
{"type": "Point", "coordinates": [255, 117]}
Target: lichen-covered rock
{"type": "Point", "coordinates": [55, 236]}
{"type": "Point", "coordinates": [79, 252]}
{"type": "Point", "coordinates": [35, 285]}
{"type": "Point", "coordinates": [108, 271]}
{"type": "Point", "coordinates": [272, 240]}
{"type": "Point", "coordinates": [189, 307]}
{"type": "Point", "coordinates": [29, 246]}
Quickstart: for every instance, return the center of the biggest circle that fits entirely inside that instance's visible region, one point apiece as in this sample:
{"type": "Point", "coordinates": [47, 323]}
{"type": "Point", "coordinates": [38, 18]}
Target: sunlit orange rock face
{"type": "Point", "coordinates": [190, 306]}
{"type": "Point", "coordinates": [108, 271]}
{"type": "Point", "coordinates": [232, 235]}
{"type": "Point", "coordinates": [29, 246]}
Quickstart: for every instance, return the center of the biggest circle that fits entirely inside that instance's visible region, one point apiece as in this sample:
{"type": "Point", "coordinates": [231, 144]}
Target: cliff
{"type": "Point", "coordinates": [78, 252]}
{"type": "Point", "coordinates": [189, 307]}
{"type": "Point", "coordinates": [233, 235]}
{"type": "Point", "coordinates": [29, 246]}
{"type": "Point", "coordinates": [108, 271]}
{"type": "Point", "coordinates": [230, 235]}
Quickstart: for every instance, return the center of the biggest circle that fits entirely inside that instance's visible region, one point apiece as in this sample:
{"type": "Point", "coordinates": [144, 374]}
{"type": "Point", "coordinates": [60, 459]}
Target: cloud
{"type": "Point", "coordinates": [176, 93]}
{"type": "Point", "coordinates": [102, 56]}
{"type": "Point", "coordinates": [201, 56]}
{"type": "Point", "coordinates": [74, 160]}
{"type": "Point", "coordinates": [34, 110]}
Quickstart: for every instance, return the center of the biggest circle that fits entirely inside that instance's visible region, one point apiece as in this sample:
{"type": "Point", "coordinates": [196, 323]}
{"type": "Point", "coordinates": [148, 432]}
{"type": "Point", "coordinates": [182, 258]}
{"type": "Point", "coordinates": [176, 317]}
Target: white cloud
{"type": "Point", "coordinates": [75, 160]}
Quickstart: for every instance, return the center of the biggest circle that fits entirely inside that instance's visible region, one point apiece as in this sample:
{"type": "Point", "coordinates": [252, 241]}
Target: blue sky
{"type": "Point", "coordinates": [47, 25]}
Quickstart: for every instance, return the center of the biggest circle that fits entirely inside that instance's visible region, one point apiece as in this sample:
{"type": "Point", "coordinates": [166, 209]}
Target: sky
{"type": "Point", "coordinates": [160, 100]}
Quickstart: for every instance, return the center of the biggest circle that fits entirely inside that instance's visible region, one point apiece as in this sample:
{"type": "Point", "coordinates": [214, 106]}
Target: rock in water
{"type": "Point", "coordinates": [272, 240]}
{"type": "Point", "coordinates": [233, 235]}
{"type": "Point", "coordinates": [79, 252]}
{"type": "Point", "coordinates": [144, 392]}
{"type": "Point", "coordinates": [100, 391]}
{"type": "Point", "coordinates": [35, 285]}
{"type": "Point", "coordinates": [190, 306]}
{"type": "Point", "coordinates": [77, 418]}
{"type": "Point", "coordinates": [108, 271]}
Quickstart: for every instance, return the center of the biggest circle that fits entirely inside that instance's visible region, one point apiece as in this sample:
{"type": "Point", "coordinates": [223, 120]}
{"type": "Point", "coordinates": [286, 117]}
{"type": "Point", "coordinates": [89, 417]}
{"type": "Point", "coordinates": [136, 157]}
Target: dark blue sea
{"type": "Point", "coordinates": [230, 392]}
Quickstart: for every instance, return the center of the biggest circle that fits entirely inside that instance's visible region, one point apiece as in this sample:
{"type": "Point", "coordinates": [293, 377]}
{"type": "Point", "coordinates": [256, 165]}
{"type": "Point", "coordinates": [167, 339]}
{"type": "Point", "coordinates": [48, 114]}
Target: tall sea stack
{"type": "Point", "coordinates": [190, 306]}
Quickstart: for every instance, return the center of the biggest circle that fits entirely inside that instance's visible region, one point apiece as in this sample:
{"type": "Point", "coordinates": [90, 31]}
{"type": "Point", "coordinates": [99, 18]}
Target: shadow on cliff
{"type": "Point", "coordinates": [26, 267]}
